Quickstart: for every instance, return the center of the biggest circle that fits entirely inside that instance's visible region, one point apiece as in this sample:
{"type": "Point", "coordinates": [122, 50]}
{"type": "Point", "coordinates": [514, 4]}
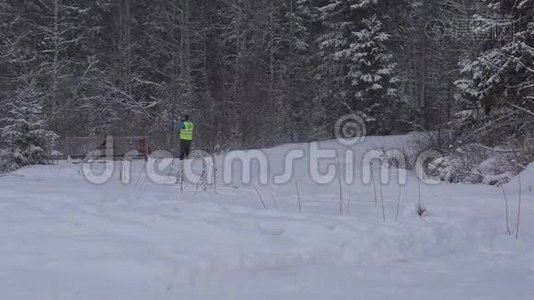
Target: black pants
{"type": "Point", "coordinates": [185, 149]}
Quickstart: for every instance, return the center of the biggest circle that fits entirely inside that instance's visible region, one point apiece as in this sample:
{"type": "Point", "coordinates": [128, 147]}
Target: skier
{"type": "Point", "coordinates": [185, 127]}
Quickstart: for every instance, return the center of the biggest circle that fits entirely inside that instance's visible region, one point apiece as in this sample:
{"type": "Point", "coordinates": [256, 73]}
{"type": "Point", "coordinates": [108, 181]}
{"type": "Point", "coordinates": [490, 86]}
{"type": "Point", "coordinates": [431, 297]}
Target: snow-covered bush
{"type": "Point", "coordinates": [468, 163]}
{"type": "Point", "coordinates": [454, 169]}
{"type": "Point", "coordinates": [7, 163]}
{"type": "Point", "coordinates": [441, 141]}
{"type": "Point", "coordinates": [475, 166]}
{"type": "Point", "coordinates": [24, 132]}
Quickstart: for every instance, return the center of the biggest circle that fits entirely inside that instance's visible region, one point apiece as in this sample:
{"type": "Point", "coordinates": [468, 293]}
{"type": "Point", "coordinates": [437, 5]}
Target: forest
{"type": "Point", "coordinates": [265, 72]}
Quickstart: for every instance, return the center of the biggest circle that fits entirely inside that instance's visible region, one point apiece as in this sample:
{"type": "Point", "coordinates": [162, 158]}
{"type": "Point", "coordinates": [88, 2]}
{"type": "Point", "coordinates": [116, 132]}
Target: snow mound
{"type": "Point", "coordinates": [69, 239]}
{"type": "Point", "coordinates": [526, 178]}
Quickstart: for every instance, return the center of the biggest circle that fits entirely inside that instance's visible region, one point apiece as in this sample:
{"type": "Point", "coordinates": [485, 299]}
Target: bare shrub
{"type": "Point", "coordinates": [420, 208]}
{"type": "Point", "coordinates": [298, 196]}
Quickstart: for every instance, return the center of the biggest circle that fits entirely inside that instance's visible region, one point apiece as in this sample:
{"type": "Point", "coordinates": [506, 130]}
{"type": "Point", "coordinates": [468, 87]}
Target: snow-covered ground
{"type": "Point", "coordinates": [65, 238]}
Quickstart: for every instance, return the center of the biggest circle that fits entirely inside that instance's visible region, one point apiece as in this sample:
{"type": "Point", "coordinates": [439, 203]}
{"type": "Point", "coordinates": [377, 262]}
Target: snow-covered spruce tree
{"type": "Point", "coordinates": [24, 130]}
{"type": "Point", "coordinates": [372, 73]}
{"type": "Point", "coordinates": [357, 62]}
{"type": "Point", "coordinates": [502, 76]}
{"type": "Point", "coordinates": [496, 92]}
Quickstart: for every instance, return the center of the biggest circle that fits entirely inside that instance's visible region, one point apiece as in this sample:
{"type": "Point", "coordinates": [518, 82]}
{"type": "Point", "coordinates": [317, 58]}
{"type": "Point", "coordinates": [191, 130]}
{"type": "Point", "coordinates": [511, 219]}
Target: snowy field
{"type": "Point", "coordinates": [65, 238]}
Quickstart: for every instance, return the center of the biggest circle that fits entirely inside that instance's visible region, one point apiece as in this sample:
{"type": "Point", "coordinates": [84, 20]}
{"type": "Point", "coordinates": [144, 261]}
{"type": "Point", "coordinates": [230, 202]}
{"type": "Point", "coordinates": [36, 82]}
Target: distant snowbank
{"type": "Point", "coordinates": [526, 178]}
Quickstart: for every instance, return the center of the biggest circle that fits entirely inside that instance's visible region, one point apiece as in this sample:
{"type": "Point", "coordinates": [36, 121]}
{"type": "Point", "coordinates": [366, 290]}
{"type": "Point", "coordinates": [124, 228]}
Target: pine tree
{"type": "Point", "coordinates": [497, 87]}
{"type": "Point", "coordinates": [358, 65]}
{"type": "Point", "coordinates": [372, 73]}
{"type": "Point", "coordinates": [24, 130]}
{"type": "Point", "coordinates": [504, 73]}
